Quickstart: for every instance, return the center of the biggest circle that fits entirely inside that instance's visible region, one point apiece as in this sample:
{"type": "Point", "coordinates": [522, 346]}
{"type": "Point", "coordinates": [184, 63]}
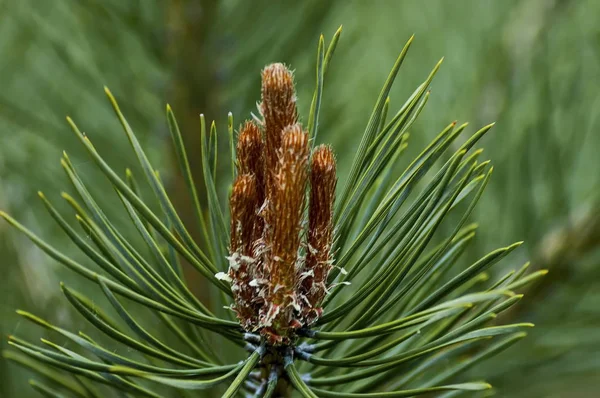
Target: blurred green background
{"type": "Point", "coordinates": [532, 66]}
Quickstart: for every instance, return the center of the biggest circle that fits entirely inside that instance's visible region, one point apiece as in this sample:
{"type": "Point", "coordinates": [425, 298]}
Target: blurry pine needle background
{"type": "Point", "coordinates": [532, 66]}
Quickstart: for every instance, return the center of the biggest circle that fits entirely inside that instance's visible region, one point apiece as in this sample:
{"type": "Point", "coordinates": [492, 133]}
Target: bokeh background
{"type": "Point", "coordinates": [532, 66]}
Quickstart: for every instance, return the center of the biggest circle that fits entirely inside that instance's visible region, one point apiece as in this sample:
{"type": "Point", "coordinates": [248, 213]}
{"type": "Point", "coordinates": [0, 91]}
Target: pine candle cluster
{"type": "Point", "coordinates": [278, 267]}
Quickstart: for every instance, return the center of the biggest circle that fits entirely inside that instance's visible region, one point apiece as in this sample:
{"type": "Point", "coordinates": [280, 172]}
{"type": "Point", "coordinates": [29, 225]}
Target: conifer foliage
{"type": "Point", "coordinates": [347, 295]}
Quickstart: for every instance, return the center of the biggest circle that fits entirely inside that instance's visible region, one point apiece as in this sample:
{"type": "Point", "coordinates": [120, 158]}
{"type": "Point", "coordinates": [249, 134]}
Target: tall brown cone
{"type": "Point", "coordinates": [283, 218]}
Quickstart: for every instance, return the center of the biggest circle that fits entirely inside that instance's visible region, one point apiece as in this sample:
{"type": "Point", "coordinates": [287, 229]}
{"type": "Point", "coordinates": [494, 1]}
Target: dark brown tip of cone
{"type": "Point", "coordinates": [323, 163]}
{"type": "Point", "coordinates": [294, 142]}
{"type": "Point", "coordinates": [278, 97]}
{"type": "Point", "coordinates": [278, 86]}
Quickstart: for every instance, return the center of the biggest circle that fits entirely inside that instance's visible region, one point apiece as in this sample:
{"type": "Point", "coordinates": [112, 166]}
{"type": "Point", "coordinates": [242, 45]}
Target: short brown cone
{"type": "Point", "coordinates": [243, 204]}
{"type": "Point", "coordinates": [320, 229]}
